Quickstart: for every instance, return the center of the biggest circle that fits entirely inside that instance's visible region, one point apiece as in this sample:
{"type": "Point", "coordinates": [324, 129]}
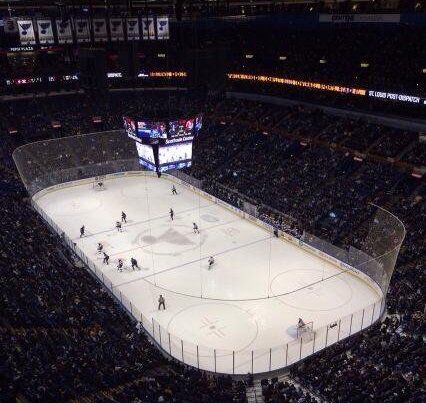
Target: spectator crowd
{"type": "Point", "coordinates": [307, 170]}
{"type": "Point", "coordinates": [62, 335]}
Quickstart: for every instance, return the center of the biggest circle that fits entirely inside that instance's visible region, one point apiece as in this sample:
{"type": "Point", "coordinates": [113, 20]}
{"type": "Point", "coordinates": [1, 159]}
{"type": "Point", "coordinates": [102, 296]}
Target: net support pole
{"type": "Point", "coordinates": [199, 244]}
{"type": "Point", "coordinates": [268, 285]}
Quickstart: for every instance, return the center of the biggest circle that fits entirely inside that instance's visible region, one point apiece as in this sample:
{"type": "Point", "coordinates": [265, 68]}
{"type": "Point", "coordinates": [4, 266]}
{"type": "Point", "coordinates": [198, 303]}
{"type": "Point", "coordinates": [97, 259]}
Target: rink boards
{"type": "Point", "coordinates": [238, 317]}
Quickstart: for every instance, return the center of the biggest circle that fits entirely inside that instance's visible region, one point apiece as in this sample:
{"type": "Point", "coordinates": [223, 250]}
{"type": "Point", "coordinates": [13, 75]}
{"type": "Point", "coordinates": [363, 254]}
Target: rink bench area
{"type": "Point", "coordinates": [208, 310]}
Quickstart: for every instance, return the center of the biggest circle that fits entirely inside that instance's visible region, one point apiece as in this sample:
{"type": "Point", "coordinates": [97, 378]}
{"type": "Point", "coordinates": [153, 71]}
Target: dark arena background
{"type": "Point", "coordinates": [212, 201]}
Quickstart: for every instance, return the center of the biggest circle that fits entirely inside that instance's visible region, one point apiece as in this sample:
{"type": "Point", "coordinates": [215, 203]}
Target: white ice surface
{"type": "Point", "coordinates": [249, 299]}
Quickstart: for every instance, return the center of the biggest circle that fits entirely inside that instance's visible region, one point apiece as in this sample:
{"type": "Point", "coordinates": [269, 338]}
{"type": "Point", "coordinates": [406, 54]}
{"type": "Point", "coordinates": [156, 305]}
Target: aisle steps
{"type": "Point", "coordinates": [254, 393]}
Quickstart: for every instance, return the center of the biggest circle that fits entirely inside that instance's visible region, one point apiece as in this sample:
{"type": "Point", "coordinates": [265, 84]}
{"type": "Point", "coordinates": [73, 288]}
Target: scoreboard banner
{"type": "Point", "coordinates": [132, 25]}
{"type": "Point", "coordinates": [116, 29]}
{"type": "Point", "coordinates": [360, 18]}
{"type": "Point", "coordinates": [163, 28]}
{"type": "Point", "coordinates": [412, 99]}
{"type": "Point", "coordinates": [163, 142]}
{"type": "Point", "coordinates": [45, 31]}
{"type": "Point", "coordinates": [146, 155]}
{"type": "Point", "coordinates": [297, 83]}
{"type": "Point", "coordinates": [63, 28]}
{"type": "Point", "coordinates": [152, 129]}
{"type": "Point", "coordinates": [82, 30]}
{"type": "Point", "coordinates": [26, 32]}
{"type": "Point", "coordinates": [181, 128]}
{"type": "Point", "coordinates": [99, 30]}
{"type": "Point", "coordinates": [396, 97]}
{"type": "Point", "coordinates": [174, 156]}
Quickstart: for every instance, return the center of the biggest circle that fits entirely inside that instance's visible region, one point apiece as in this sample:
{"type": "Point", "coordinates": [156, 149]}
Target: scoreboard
{"type": "Point", "coordinates": [152, 130]}
{"type": "Point", "coordinates": [164, 143]}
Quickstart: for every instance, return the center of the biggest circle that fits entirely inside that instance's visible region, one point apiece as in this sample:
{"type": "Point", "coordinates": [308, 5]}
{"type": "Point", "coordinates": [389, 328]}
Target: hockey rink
{"type": "Point", "coordinates": [238, 317]}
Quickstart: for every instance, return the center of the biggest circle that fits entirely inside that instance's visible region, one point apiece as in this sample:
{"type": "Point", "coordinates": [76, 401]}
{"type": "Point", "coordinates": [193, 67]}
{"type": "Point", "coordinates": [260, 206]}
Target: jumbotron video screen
{"type": "Point", "coordinates": [163, 144]}
{"type": "Point", "coordinates": [174, 156]}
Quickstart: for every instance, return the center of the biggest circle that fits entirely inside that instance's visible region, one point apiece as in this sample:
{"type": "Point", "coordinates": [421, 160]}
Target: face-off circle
{"type": "Point", "coordinates": [75, 206]}
{"type": "Point", "coordinates": [226, 326]}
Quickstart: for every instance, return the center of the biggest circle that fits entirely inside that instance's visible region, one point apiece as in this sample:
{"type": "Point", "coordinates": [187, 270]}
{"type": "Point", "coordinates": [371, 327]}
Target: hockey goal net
{"type": "Point", "coordinates": [305, 332]}
{"type": "Point", "coordinates": [99, 182]}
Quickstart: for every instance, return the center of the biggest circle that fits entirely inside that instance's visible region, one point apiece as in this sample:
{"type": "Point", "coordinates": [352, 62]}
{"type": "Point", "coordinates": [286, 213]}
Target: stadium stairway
{"type": "Point", "coordinates": [309, 390]}
{"type": "Point", "coordinates": [373, 144]}
{"type": "Point", "coordinates": [21, 399]}
{"type": "Point", "coordinates": [107, 393]}
{"type": "Point", "coordinates": [405, 150]}
{"type": "Point", "coordinates": [254, 393]}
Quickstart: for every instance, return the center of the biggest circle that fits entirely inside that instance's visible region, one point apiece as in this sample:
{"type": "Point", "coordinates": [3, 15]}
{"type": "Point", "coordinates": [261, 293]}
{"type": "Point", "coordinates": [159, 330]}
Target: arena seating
{"type": "Point", "coordinates": [384, 363]}
{"type": "Point", "coordinates": [276, 392]}
{"type": "Point", "coordinates": [347, 47]}
{"type": "Point", "coordinates": [64, 338]}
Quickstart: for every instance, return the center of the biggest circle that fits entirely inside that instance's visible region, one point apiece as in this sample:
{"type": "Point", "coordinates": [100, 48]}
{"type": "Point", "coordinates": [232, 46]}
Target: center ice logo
{"type": "Point", "coordinates": [159, 237]}
{"type": "Point", "coordinates": [170, 236]}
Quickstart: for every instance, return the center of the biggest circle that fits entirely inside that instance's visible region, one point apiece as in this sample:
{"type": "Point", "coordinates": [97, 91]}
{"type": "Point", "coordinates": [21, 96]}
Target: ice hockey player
{"type": "Point", "coordinates": [123, 217]}
{"type": "Point", "coordinates": [82, 231]}
{"type": "Point", "coordinates": [211, 262]}
{"type": "Point", "coordinates": [134, 263]}
{"type": "Point", "coordinates": [172, 214]}
{"type": "Point", "coordinates": [100, 247]}
{"type": "Point", "coordinates": [161, 302]}
{"type": "Point", "coordinates": [174, 191]}
{"type": "Point", "coordinates": [118, 226]}
{"type": "Point", "coordinates": [120, 265]}
{"type": "Point", "coordinates": [195, 228]}
{"type": "Point", "coordinates": [106, 258]}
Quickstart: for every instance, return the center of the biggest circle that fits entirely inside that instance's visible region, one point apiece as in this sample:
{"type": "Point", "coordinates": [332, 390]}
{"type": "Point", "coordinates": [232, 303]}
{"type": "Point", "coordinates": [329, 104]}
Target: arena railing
{"type": "Point", "coordinates": [228, 361]}
{"type": "Point", "coordinates": [250, 206]}
{"type": "Point", "coordinates": [56, 163]}
{"type": "Point", "coordinates": [51, 162]}
{"type": "Point", "coordinates": [378, 250]}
